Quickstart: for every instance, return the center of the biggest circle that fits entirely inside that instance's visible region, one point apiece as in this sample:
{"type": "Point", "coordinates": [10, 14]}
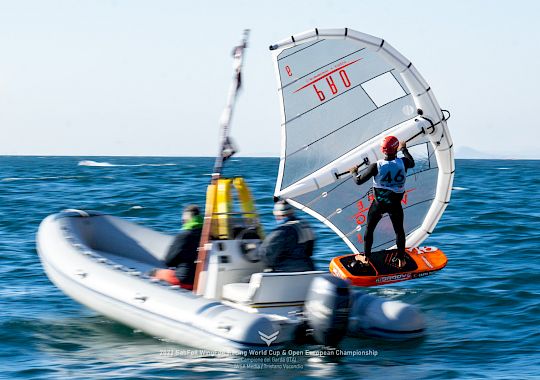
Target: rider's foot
{"type": "Point", "coordinates": [362, 259]}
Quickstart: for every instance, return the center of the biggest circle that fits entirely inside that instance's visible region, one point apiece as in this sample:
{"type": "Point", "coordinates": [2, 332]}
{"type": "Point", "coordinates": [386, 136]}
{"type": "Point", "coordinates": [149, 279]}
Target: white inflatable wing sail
{"type": "Point", "coordinates": [341, 92]}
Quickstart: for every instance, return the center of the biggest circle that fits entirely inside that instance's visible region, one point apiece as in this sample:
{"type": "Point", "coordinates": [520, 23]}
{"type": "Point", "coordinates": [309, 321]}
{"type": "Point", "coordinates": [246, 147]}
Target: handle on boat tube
{"type": "Point", "coordinates": [226, 150]}
{"type": "Point", "coordinates": [365, 162]}
{"type": "Point", "coordinates": [139, 297]}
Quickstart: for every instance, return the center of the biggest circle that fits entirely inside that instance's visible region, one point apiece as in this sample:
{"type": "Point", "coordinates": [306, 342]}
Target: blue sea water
{"type": "Point", "coordinates": [482, 310]}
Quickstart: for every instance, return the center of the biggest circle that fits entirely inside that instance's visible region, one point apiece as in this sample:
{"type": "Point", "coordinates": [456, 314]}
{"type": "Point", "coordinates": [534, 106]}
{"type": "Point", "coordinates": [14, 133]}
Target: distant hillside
{"type": "Point", "coordinates": [465, 152]}
{"type": "Point", "coordinates": [471, 153]}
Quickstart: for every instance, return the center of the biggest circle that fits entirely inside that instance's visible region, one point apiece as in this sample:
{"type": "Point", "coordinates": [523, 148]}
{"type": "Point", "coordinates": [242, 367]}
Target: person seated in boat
{"type": "Point", "coordinates": [182, 253]}
{"type": "Point", "coordinates": [389, 176]}
{"type": "Point", "coordinates": [288, 248]}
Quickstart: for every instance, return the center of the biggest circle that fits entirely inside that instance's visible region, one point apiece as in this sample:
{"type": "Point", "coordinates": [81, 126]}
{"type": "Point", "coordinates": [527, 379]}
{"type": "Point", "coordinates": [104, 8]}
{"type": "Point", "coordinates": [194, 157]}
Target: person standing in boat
{"type": "Point", "coordinates": [288, 248]}
{"type": "Point", "coordinates": [389, 176]}
{"type": "Point", "coordinates": [182, 253]}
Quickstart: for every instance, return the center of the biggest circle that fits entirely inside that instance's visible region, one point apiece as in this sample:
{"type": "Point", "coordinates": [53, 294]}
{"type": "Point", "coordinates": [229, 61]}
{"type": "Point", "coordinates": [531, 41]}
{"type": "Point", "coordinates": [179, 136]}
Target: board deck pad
{"type": "Point", "coordinates": [419, 262]}
{"type": "Point", "coordinates": [381, 263]}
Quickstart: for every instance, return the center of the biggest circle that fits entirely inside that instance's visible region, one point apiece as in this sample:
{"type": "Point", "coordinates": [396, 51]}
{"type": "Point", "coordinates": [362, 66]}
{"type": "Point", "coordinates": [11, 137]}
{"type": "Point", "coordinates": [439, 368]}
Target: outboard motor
{"type": "Point", "coordinates": [327, 309]}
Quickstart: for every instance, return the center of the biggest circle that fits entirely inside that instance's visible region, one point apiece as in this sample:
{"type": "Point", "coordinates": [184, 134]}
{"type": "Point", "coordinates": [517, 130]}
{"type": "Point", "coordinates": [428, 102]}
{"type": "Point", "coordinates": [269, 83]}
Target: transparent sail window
{"type": "Point", "coordinates": [383, 89]}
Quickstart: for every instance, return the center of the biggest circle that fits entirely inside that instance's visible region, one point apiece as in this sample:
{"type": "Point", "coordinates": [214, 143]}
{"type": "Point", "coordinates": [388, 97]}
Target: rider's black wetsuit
{"type": "Point", "coordinates": [388, 186]}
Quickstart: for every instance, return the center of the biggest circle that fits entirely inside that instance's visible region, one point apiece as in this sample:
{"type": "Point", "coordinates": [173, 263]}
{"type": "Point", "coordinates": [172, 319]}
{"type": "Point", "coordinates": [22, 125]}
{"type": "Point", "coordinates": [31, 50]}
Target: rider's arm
{"type": "Point", "coordinates": [371, 171]}
{"type": "Point", "coordinates": [408, 160]}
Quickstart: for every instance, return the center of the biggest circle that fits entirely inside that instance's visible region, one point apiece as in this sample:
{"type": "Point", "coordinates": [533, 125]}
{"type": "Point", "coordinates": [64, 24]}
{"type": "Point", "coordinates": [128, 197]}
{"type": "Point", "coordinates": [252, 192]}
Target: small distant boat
{"type": "Point", "coordinates": [103, 261]}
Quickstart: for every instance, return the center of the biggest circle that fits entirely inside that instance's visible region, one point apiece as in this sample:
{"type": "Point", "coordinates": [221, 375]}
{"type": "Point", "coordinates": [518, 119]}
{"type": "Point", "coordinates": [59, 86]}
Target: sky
{"type": "Point", "coordinates": [139, 78]}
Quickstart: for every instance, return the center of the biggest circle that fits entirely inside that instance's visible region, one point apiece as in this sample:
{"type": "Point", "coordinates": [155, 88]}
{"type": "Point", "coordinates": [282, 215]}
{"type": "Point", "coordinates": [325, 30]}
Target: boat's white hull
{"type": "Point", "coordinates": [131, 298]}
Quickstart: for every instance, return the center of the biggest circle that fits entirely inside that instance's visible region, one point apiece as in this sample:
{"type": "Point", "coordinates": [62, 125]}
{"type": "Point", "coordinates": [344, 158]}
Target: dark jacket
{"type": "Point", "coordinates": [183, 253]}
{"type": "Point", "coordinates": [288, 248]}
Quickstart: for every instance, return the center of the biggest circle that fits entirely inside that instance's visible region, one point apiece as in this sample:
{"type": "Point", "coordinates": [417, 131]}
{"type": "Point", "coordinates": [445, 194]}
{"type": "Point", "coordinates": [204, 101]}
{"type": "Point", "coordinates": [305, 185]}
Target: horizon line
{"type": "Point", "coordinates": [277, 157]}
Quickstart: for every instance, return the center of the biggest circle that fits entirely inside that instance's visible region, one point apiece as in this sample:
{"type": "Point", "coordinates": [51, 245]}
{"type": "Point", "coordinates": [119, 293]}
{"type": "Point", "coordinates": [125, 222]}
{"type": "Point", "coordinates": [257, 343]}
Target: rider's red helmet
{"type": "Point", "coordinates": [389, 145]}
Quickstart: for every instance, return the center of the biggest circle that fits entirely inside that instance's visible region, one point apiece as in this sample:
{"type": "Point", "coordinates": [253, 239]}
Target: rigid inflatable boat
{"type": "Point", "coordinates": [103, 262]}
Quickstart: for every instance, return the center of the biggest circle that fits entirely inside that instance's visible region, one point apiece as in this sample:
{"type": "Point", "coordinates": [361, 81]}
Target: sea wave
{"type": "Point", "coordinates": [12, 179]}
{"type": "Point", "coordinates": [108, 164]}
{"type": "Point", "coordinates": [94, 163]}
